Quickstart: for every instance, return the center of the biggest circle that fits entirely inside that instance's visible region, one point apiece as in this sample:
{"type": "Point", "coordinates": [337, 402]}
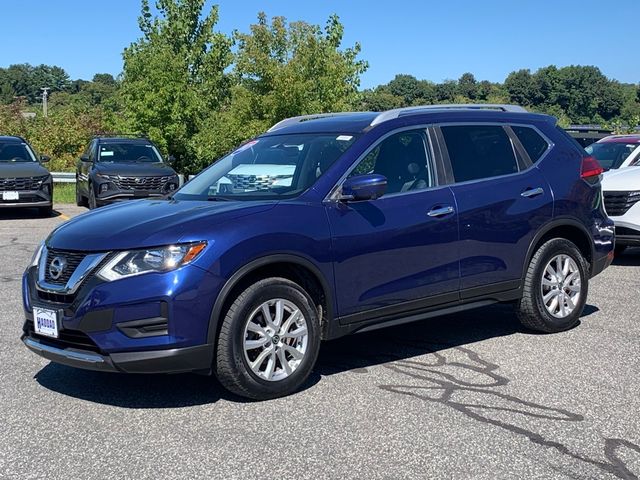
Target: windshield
{"type": "Point", "coordinates": [268, 168]}
{"type": "Point", "coordinates": [14, 152]}
{"type": "Point", "coordinates": [128, 152]}
{"type": "Point", "coordinates": [611, 154]}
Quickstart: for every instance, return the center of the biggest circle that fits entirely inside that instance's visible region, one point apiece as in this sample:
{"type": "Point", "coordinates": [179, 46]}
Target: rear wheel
{"type": "Point", "coordinates": [269, 340]}
{"type": "Point", "coordinates": [555, 288]}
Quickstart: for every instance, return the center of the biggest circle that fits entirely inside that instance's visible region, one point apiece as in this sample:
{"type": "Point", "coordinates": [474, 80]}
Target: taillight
{"type": "Point", "coordinates": [590, 168]}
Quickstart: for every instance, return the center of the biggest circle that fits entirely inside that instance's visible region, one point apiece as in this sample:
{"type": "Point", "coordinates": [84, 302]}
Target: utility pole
{"type": "Point", "coordinates": [45, 95]}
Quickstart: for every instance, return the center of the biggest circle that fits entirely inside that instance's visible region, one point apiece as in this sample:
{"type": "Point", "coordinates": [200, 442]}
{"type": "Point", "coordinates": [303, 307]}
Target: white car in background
{"type": "Point", "coordinates": [621, 190]}
{"type": "Point", "coordinates": [616, 151]}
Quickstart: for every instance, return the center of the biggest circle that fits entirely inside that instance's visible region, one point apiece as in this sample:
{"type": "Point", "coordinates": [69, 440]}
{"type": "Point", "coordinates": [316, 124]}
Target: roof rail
{"type": "Point", "coordinates": [401, 112]}
{"type": "Point", "coordinates": [303, 118]}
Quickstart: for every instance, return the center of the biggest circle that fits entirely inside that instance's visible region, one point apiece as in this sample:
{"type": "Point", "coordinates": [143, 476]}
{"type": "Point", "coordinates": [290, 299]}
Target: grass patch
{"type": "Point", "coordinates": [64, 193]}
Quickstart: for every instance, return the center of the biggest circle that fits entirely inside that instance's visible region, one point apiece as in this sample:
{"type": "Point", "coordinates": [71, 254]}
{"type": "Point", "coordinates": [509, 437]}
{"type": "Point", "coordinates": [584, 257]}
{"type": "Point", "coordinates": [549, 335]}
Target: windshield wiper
{"type": "Point", "coordinates": [216, 198]}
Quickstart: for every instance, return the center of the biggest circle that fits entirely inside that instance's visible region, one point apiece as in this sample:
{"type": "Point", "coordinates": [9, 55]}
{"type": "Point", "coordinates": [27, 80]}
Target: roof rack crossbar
{"type": "Point", "coordinates": [303, 118]}
{"type": "Point", "coordinates": [401, 112]}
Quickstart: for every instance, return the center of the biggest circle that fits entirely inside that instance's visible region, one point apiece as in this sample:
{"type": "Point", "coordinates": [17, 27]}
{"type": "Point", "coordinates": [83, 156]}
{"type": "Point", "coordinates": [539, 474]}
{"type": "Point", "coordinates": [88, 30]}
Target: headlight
{"type": "Point", "coordinates": [36, 255]}
{"type": "Point", "coordinates": [137, 262]}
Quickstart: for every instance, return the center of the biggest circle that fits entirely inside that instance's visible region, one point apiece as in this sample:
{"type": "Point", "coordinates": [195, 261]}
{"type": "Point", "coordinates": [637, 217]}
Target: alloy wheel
{"type": "Point", "coordinates": [275, 339]}
{"type": "Point", "coordinates": [561, 286]}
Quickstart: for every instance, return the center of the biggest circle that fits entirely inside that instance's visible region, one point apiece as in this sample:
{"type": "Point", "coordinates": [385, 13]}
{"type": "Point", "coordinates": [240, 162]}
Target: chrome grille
{"type": "Point", "coordinates": [140, 183]}
{"type": "Point", "coordinates": [253, 182]}
{"type": "Point", "coordinates": [72, 260]}
{"type": "Point", "coordinates": [24, 183]}
{"type": "Point", "coordinates": [618, 203]}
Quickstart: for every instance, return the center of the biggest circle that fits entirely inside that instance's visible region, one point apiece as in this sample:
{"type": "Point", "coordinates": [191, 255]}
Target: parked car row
{"type": "Point", "coordinates": [24, 182]}
{"type": "Point", "coordinates": [323, 226]}
{"type": "Point", "coordinates": [111, 169]}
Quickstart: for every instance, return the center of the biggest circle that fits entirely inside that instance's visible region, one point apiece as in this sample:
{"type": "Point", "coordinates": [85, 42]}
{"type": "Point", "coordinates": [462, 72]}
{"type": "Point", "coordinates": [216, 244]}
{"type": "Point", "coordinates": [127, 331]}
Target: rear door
{"type": "Point", "coordinates": [501, 198]}
{"type": "Point", "coordinates": [397, 253]}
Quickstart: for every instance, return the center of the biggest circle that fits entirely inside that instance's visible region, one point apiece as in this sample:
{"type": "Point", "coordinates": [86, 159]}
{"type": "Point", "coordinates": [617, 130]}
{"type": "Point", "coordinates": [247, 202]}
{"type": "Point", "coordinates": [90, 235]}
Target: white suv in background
{"type": "Point", "coordinates": [616, 151]}
{"type": "Point", "coordinates": [621, 189]}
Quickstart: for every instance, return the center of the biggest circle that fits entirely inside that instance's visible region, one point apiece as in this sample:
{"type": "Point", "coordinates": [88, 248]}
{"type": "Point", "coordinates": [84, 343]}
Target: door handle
{"type": "Point", "coordinates": [532, 192]}
{"type": "Point", "coordinates": [441, 211]}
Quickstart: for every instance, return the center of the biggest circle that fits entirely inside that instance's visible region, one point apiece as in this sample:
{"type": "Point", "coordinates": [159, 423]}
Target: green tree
{"type": "Point", "coordinates": [282, 70]}
{"type": "Point", "coordinates": [174, 76]}
{"type": "Point", "coordinates": [468, 86]}
{"type": "Point", "coordinates": [379, 100]}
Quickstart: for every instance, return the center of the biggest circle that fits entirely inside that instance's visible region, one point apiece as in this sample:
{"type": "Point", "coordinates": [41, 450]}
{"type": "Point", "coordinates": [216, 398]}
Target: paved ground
{"type": "Point", "coordinates": [464, 396]}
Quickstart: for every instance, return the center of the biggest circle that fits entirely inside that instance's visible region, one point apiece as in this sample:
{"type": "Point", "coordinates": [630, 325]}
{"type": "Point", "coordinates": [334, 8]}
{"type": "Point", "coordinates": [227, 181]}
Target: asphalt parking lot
{"type": "Point", "coordinates": [466, 396]}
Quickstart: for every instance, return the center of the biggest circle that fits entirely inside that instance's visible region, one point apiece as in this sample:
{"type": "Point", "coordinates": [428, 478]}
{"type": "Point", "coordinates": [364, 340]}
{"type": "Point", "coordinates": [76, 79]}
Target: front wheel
{"type": "Point", "coordinates": [269, 340]}
{"type": "Point", "coordinates": [93, 203]}
{"type": "Point", "coordinates": [555, 288]}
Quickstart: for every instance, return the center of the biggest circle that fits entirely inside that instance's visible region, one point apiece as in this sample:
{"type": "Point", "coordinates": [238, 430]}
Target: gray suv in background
{"type": "Point", "coordinates": [113, 169]}
{"type": "Point", "coordinates": [24, 182]}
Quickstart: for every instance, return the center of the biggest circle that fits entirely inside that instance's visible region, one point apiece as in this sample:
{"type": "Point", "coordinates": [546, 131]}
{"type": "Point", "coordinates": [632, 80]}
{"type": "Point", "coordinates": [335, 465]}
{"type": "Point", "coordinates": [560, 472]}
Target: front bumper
{"type": "Point", "coordinates": [120, 196]}
{"type": "Point", "coordinates": [28, 199]}
{"type": "Point", "coordinates": [174, 360]}
{"type": "Point", "coordinates": [153, 323]}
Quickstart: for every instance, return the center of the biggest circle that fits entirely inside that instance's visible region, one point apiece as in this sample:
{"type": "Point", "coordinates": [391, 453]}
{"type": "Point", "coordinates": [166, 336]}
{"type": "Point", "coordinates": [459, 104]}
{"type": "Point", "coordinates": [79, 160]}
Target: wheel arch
{"type": "Point", "coordinates": [292, 267]}
{"type": "Point", "coordinates": [566, 228]}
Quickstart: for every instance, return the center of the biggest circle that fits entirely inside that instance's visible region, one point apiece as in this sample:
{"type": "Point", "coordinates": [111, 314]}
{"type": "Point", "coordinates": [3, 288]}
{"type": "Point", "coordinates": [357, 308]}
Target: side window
{"type": "Point", "coordinates": [91, 151]}
{"type": "Point", "coordinates": [402, 158]}
{"type": "Point", "coordinates": [532, 142]}
{"type": "Point", "coordinates": [479, 151]}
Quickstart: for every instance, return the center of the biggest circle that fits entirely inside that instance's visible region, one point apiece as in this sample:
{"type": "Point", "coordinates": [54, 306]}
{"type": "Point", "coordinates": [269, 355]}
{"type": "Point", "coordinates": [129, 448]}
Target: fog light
{"type": "Point", "coordinates": [172, 186]}
{"type": "Point", "coordinates": [104, 187]}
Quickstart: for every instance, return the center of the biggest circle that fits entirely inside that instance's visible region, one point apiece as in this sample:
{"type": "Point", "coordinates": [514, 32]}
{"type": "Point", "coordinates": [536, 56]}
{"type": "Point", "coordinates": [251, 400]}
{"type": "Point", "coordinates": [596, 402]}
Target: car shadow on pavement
{"type": "Point", "coordinates": [630, 258]}
{"type": "Point", "coordinates": [355, 353]}
{"type": "Point", "coordinates": [24, 214]}
{"type": "Point", "coordinates": [358, 352]}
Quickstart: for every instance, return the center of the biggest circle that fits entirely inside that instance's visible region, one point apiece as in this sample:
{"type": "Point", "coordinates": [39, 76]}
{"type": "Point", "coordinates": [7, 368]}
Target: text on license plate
{"type": "Point", "coordinates": [10, 196]}
{"type": "Point", "coordinates": [45, 322]}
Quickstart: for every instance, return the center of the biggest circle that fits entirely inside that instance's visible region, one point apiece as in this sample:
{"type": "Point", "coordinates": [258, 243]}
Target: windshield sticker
{"type": "Point", "coordinates": [344, 138]}
{"type": "Point", "coordinates": [106, 153]}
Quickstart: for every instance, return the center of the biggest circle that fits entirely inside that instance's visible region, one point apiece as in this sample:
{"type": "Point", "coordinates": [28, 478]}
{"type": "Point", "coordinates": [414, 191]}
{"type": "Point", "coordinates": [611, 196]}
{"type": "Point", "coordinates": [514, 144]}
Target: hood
{"type": "Point", "coordinates": [134, 169]}
{"type": "Point", "coordinates": [22, 169]}
{"type": "Point", "coordinates": [148, 223]}
{"type": "Point", "coordinates": [621, 180]}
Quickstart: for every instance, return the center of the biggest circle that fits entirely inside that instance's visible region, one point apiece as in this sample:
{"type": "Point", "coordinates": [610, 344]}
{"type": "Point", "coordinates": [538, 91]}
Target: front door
{"type": "Point", "coordinates": [397, 253]}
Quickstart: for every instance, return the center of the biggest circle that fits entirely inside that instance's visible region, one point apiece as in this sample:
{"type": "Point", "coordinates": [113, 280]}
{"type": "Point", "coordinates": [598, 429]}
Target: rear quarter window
{"type": "Point", "coordinates": [532, 141]}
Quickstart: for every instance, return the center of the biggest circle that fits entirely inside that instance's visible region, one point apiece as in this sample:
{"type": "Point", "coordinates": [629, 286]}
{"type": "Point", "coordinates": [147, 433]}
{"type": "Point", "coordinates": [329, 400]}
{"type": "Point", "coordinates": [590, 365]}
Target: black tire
{"type": "Point", "coordinates": [45, 211]}
{"type": "Point", "coordinates": [230, 364]}
{"type": "Point", "coordinates": [93, 203]}
{"type": "Point", "coordinates": [619, 250]}
{"type": "Point", "coordinates": [530, 309]}
{"type": "Point", "coordinates": [80, 200]}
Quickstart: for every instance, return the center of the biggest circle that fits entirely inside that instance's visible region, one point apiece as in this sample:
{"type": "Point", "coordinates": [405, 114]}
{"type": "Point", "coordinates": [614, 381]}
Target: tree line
{"type": "Point", "coordinates": [198, 92]}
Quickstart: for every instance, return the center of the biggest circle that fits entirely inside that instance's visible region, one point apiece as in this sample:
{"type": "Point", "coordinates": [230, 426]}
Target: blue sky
{"type": "Point", "coordinates": [433, 40]}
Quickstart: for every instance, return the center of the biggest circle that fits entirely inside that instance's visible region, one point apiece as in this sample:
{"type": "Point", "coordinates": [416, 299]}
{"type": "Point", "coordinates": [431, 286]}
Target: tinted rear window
{"type": "Point", "coordinates": [532, 142]}
{"type": "Point", "coordinates": [479, 151]}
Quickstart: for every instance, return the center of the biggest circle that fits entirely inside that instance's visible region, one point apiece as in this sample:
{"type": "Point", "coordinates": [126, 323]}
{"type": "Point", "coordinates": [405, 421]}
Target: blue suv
{"type": "Point", "coordinates": [323, 226]}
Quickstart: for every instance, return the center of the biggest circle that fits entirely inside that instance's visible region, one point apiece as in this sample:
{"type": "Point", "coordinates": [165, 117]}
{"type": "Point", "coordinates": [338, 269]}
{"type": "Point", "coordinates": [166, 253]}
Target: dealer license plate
{"type": "Point", "coordinates": [45, 322]}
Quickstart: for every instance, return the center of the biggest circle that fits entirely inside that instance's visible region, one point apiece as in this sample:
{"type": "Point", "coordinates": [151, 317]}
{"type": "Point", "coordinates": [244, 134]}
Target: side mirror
{"type": "Point", "coordinates": [44, 158]}
{"type": "Point", "coordinates": [363, 187]}
{"type": "Point", "coordinates": [84, 158]}
{"type": "Point", "coordinates": [171, 159]}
